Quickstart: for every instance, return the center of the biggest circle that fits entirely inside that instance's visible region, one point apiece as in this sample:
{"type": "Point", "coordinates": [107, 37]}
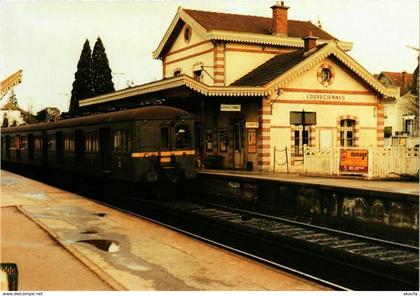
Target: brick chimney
{"type": "Point", "coordinates": [404, 79]}
{"type": "Point", "coordinates": [279, 25]}
{"type": "Point", "coordinates": [309, 42]}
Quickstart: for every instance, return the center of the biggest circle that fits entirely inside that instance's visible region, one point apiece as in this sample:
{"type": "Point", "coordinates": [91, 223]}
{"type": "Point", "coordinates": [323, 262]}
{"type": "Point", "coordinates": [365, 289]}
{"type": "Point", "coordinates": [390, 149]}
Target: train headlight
{"type": "Point", "coordinates": [146, 155]}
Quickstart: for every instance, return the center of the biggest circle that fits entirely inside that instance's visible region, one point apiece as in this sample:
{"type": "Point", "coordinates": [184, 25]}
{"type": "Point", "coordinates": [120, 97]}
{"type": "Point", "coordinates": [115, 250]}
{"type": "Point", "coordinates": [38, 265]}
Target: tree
{"type": "Point", "coordinates": [101, 72]}
{"type": "Point", "coordinates": [82, 85]}
{"type": "Point", "coordinates": [13, 99]}
{"type": "Point", "coordinates": [48, 114]}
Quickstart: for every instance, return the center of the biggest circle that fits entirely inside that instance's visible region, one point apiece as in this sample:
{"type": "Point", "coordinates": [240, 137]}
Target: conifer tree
{"type": "Point", "coordinates": [101, 72]}
{"type": "Point", "coordinates": [13, 99]}
{"type": "Point", "coordinates": [82, 85]}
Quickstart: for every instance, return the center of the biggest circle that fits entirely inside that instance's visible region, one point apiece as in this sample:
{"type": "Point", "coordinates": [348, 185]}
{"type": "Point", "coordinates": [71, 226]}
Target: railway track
{"type": "Point", "coordinates": [338, 259]}
{"type": "Point", "coordinates": [341, 260]}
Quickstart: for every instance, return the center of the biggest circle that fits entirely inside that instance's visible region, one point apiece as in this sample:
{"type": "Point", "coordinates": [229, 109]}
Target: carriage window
{"type": "Point", "coordinates": [23, 142]}
{"type": "Point", "coordinates": [121, 141]}
{"type": "Point", "coordinates": [164, 137]}
{"type": "Point", "coordinates": [68, 142]}
{"type": "Point", "coordinates": [51, 142]}
{"type": "Point", "coordinates": [182, 136]}
{"type": "Point", "coordinates": [13, 142]}
{"type": "Point", "coordinates": [38, 143]}
{"type": "Point", "coordinates": [91, 142]}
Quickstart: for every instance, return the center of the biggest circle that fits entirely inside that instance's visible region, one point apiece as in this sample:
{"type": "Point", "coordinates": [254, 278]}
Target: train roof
{"type": "Point", "coordinates": [148, 113]}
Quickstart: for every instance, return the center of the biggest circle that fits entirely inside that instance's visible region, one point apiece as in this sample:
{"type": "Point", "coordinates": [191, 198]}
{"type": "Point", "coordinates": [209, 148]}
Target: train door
{"type": "Point", "coordinates": [59, 147]}
{"type": "Point", "coordinates": [31, 152]}
{"type": "Point", "coordinates": [17, 145]}
{"type": "Point", "coordinates": [238, 153]}
{"type": "Point", "coordinates": [7, 146]}
{"type": "Point", "coordinates": [198, 141]}
{"type": "Point", "coordinates": [105, 148]}
{"type": "Point", "coordinates": [44, 148]}
{"type": "Point", "coordinates": [79, 147]}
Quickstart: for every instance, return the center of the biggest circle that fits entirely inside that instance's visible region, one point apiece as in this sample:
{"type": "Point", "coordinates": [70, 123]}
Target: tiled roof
{"type": "Point", "coordinates": [403, 80]}
{"type": "Point", "coordinates": [253, 24]}
{"type": "Point", "coordinates": [273, 68]}
{"type": "Point", "coordinates": [397, 78]}
{"type": "Point", "coordinates": [10, 106]}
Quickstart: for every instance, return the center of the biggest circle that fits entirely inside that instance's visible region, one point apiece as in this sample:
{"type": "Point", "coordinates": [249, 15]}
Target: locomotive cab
{"type": "Point", "coordinates": [167, 145]}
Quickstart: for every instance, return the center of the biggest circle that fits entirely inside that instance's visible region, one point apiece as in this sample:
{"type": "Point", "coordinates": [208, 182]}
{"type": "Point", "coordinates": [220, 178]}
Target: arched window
{"type": "Point", "coordinates": [347, 132]}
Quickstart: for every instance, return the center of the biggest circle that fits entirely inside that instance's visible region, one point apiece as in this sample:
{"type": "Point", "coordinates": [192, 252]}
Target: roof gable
{"type": "Point", "coordinates": [283, 68]}
{"type": "Point", "coordinates": [240, 28]}
{"type": "Point", "coordinates": [272, 69]}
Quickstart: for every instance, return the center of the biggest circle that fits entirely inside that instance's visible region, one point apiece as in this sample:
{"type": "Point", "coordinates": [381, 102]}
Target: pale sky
{"type": "Point", "coordinates": [45, 39]}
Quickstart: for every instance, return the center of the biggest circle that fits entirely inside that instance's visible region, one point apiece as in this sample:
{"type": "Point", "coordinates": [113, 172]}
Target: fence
{"type": "Point", "coordinates": [281, 158]}
{"type": "Point", "coordinates": [380, 162]}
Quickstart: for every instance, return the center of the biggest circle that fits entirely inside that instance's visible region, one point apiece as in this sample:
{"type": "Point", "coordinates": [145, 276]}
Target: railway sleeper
{"type": "Point", "coordinates": [289, 232]}
{"type": "Point", "coordinates": [228, 216]}
{"type": "Point", "coordinates": [327, 241]}
{"type": "Point", "coordinates": [279, 229]}
{"type": "Point", "coordinates": [409, 263]}
{"type": "Point", "coordinates": [349, 245]}
{"type": "Point", "coordinates": [315, 237]}
{"type": "Point", "coordinates": [207, 211]}
{"type": "Point", "coordinates": [304, 234]}
{"type": "Point", "coordinates": [395, 258]}
{"type": "Point", "coordinates": [368, 248]}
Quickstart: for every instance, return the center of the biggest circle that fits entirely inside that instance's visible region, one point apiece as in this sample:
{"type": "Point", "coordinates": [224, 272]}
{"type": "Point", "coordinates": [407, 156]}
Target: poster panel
{"type": "Point", "coordinates": [354, 160]}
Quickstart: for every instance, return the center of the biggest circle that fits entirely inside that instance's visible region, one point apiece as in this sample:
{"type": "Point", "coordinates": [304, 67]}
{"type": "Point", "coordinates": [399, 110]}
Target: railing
{"type": "Point", "coordinates": [382, 162]}
{"type": "Point", "coordinates": [275, 160]}
{"type": "Point", "coordinates": [394, 160]}
{"type": "Point", "coordinates": [321, 161]}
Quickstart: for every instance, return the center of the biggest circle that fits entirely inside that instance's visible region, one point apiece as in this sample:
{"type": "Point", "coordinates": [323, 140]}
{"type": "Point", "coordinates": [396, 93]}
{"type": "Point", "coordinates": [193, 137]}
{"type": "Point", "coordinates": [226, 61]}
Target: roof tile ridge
{"type": "Point", "coordinates": [226, 13]}
{"type": "Point", "coordinates": [249, 15]}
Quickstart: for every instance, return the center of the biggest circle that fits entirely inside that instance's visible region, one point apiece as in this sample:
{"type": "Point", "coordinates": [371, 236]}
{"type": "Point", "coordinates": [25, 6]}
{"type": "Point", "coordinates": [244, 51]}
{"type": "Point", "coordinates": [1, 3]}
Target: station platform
{"type": "Point", "coordinates": [399, 187]}
{"type": "Point", "coordinates": [61, 241]}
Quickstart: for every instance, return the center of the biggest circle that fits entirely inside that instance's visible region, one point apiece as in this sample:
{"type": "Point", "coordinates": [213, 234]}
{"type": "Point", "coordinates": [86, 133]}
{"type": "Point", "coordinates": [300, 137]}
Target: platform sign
{"type": "Point", "coordinates": [230, 108]}
{"type": "Point", "coordinates": [252, 124]}
{"type": "Point", "coordinates": [354, 160]}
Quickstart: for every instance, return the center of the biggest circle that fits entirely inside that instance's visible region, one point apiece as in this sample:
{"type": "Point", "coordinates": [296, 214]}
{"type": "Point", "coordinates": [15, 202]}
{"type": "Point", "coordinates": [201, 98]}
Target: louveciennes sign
{"type": "Point", "coordinates": [325, 97]}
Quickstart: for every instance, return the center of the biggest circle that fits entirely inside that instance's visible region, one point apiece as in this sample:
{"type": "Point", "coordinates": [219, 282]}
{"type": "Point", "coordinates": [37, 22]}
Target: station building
{"type": "Point", "coordinates": [257, 85]}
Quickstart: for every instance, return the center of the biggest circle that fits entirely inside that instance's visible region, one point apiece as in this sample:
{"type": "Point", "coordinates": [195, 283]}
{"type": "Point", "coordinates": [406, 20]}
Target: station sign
{"type": "Point", "coordinates": [354, 160]}
{"type": "Point", "coordinates": [230, 108]}
{"type": "Point", "coordinates": [252, 124]}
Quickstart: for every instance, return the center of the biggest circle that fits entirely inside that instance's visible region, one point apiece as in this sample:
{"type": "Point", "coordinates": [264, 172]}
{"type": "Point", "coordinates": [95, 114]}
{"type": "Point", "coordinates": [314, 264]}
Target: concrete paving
{"type": "Point", "coordinates": [400, 187]}
{"type": "Point", "coordinates": [62, 241]}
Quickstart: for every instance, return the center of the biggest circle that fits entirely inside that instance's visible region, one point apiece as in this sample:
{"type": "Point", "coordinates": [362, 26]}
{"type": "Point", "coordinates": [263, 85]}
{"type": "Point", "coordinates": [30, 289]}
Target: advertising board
{"type": "Point", "coordinates": [354, 160]}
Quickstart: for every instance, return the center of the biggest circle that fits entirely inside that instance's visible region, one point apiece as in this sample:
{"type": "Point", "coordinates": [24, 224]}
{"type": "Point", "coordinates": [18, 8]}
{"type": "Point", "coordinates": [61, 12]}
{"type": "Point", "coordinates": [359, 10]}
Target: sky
{"type": "Point", "coordinates": [45, 38]}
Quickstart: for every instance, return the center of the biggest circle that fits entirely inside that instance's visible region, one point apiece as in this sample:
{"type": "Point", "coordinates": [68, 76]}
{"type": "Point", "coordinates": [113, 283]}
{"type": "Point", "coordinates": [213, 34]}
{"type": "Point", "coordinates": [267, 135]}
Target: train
{"type": "Point", "coordinates": [145, 144]}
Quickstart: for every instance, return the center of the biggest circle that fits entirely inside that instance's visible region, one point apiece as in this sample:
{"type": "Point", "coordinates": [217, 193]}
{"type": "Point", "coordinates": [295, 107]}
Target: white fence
{"type": "Point", "coordinates": [381, 162]}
